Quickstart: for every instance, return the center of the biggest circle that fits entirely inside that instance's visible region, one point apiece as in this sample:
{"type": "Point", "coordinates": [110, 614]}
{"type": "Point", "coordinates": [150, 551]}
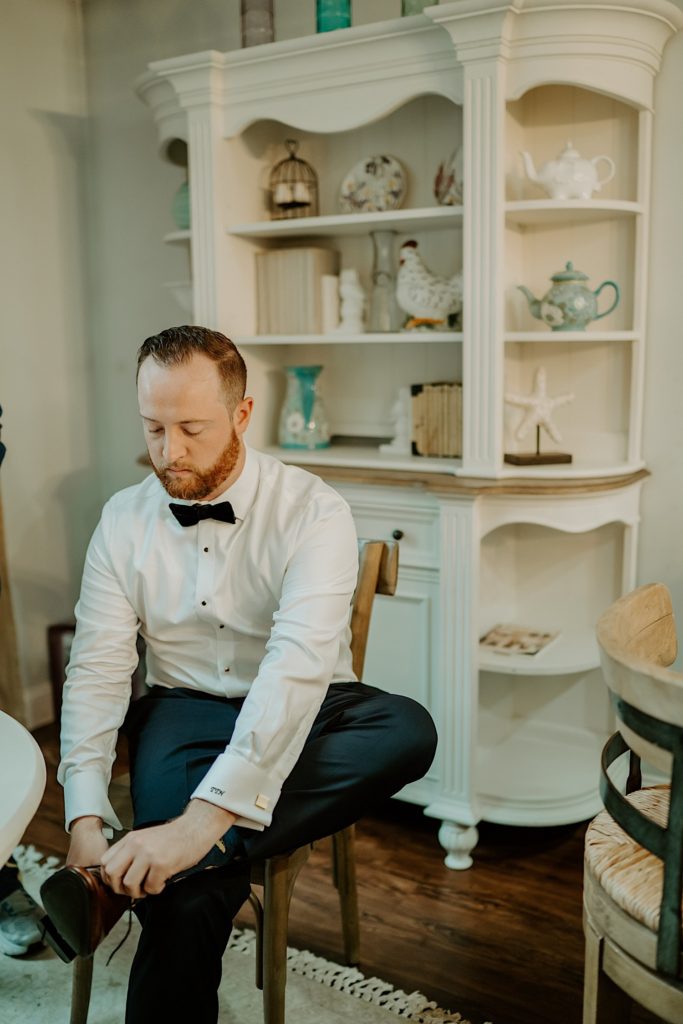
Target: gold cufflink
{"type": "Point", "coordinates": [262, 801]}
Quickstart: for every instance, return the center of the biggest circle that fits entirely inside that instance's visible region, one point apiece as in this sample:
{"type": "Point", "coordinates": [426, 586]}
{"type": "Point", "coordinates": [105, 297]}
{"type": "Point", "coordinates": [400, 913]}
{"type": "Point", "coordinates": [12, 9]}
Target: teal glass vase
{"type": "Point", "coordinates": [303, 422]}
{"type": "Point", "coordinates": [331, 14]}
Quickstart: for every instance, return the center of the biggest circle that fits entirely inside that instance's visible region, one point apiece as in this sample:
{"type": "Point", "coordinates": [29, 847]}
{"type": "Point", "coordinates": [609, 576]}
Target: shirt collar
{"type": "Point", "coordinates": [240, 494]}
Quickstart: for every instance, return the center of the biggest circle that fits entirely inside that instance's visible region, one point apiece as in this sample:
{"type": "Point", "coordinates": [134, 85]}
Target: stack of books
{"type": "Point", "coordinates": [289, 289]}
{"type": "Point", "coordinates": [437, 419]}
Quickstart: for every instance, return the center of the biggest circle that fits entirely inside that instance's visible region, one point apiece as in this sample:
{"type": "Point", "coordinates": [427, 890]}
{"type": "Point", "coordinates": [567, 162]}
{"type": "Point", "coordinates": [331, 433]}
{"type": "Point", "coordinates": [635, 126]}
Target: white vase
{"type": "Point", "coordinates": [385, 315]}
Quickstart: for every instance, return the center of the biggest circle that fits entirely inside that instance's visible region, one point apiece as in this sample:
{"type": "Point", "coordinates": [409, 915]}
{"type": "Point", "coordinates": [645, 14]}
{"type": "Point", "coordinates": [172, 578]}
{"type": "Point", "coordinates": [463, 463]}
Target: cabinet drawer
{"type": "Point", "coordinates": [417, 531]}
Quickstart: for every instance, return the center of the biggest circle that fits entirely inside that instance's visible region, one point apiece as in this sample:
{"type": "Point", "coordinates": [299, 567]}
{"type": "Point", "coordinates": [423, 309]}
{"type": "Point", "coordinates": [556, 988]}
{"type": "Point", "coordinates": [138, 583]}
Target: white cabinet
{"type": "Point", "coordinates": [483, 541]}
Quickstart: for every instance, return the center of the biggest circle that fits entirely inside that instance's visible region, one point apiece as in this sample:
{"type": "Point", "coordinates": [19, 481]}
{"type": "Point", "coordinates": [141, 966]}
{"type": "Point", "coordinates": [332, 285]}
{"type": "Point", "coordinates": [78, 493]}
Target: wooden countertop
{"type": "Point", "coordinates": [448, 484]}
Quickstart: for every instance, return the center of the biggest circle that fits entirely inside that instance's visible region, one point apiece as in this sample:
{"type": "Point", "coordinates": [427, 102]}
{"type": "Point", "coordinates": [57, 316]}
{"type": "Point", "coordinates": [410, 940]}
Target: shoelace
{"type": "Point", "coordinates": [128, 930]}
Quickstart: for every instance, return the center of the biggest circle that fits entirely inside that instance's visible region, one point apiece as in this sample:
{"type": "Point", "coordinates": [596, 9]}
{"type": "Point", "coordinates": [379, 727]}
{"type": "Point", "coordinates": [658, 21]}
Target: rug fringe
{"type": "Point", "coordinates": [350, 981]}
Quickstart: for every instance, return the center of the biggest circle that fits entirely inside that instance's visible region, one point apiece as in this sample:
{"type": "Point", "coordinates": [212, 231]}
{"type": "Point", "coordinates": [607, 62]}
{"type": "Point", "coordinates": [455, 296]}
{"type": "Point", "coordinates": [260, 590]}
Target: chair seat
{"type": "Point", "coordinates": [630, 875]}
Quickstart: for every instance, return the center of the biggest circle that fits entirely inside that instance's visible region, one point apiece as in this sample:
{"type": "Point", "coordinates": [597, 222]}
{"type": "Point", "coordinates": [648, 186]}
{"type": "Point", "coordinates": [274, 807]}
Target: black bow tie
{"type": "Point", "coordinates": [190, 515]}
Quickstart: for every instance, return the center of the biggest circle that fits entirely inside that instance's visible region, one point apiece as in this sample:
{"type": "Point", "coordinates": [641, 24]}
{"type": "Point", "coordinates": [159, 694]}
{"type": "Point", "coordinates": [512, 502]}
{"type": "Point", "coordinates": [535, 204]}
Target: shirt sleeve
{"type": "Point", "coordinates": [309, 626]}
{"type": "Point", "coordinates": [98, 685]}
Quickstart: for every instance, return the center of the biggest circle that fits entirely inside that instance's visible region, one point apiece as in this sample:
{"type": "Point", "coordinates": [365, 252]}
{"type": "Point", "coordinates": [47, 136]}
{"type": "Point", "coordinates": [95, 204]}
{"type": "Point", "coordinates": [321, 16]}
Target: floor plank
{"type": "Point", "coordinates": [501, 942]}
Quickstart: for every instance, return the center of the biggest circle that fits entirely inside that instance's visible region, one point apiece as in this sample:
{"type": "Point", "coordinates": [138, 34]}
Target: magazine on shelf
{"type": "Point", "coordinates": [506, 638]}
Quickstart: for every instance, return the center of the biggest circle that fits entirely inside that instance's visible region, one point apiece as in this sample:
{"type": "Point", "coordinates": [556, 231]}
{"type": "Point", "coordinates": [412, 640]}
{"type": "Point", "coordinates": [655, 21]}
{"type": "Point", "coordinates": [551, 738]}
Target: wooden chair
{"type": "Point", "coordinates": [377, 574]}
{"type": "Point", "coordinates": [634, 848]}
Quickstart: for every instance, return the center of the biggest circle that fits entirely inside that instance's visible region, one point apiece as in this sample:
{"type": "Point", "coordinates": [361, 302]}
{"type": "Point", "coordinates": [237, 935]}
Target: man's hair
{"type": "Point", "coordinates": [177, 345]}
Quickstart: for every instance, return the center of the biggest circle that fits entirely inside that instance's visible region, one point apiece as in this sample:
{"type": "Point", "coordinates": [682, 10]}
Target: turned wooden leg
{"type": "Point", "coordinates": [276, 894]}
{"type": "Point", "coordinates": [81, 984]}
{"type": "Point", "coordinates": [258, 914]}
{"type": "Point", "coordinates": [343, 847]}
{"type": "Point", "coordinates": [603, 1001]}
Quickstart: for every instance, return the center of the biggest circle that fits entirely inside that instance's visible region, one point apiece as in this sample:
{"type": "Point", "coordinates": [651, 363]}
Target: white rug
{"type": "Point", "coordinates": [38, 989]}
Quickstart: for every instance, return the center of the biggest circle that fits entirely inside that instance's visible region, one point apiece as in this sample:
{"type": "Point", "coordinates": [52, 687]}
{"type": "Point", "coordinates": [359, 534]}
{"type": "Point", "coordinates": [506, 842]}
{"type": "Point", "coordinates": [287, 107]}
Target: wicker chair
{"type": "Point", "coordinates": [634, 848]}
{"type": "Point", "coordinates": [377, 574]}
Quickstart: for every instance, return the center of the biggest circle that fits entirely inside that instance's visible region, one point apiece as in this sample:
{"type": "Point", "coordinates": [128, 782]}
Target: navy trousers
{"type": "Point", "coordinates": [364, 746]}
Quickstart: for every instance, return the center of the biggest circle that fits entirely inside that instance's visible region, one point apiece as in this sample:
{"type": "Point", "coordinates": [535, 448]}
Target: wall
{"type": "Point", "coordinates": [48, 479]}
{"type": "Point", "coordinates": [130, 201]}
{"type": "Point", "coordinates": [132, 189]}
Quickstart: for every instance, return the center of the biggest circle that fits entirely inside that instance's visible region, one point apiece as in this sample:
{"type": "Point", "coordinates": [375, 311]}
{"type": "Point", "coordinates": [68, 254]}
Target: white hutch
{"type": "Point", "coordinates": [482, 542]}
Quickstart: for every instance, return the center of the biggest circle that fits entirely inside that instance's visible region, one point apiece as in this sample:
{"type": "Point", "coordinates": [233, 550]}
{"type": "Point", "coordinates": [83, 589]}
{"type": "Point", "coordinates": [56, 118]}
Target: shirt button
{"type": "Point", "coordinates": [203, 602]}
{"type": "Point", "coordinates": [221, 626]}
{"type": "Point", "coordinates": [206, 549]}
{"type": "Point", "coordinates": [227, 670]}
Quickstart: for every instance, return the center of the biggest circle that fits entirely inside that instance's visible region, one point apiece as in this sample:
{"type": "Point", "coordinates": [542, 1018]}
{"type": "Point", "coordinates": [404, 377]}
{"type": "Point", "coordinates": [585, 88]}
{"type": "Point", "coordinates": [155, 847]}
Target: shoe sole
{"type": "Point", "coordinates": [69, 911]}
{"type": "Point", "coordinates": [54, 940]}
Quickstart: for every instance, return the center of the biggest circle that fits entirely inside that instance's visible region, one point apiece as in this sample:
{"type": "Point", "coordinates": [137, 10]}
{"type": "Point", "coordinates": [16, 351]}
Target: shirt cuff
{"type": "Point", "coordinates": [85, 793]}
{"type": "Point", "coordinates": [240, 787]}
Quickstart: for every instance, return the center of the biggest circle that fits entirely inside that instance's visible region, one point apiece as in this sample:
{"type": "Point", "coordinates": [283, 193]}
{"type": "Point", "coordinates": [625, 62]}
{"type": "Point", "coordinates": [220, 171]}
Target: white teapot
{"type": "Point", "coordinates": [570, 176]}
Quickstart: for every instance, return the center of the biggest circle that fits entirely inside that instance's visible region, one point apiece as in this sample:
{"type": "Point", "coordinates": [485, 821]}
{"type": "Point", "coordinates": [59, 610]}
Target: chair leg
{"type": "Point", "coordinates": [276, 896]}
{"type": "Point", "coordinates": [258, 914]}
{"type": "Point", "coordinates": [81, 984]}
{"type": "Point", "coordinates": [603, 1001]}
{"type": "Point", "coordinates": [343, 847]}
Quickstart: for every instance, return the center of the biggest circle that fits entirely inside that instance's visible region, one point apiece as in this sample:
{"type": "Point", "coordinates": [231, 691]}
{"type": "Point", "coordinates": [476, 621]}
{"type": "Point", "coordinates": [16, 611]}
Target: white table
{"type": "Point", "coordinates": [22, 782]}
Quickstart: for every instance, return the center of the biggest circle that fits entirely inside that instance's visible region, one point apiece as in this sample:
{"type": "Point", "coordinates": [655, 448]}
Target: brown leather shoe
{"type": "Point", "coordinates": [82, 908]}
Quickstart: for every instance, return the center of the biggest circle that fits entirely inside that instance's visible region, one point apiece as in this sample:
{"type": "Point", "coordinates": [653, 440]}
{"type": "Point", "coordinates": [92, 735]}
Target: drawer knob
{"type": "Point", "coordinates": [397, 534]}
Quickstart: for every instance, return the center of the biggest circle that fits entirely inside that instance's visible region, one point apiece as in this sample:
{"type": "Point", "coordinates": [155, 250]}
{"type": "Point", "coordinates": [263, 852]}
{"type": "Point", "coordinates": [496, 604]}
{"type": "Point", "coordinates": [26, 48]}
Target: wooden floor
{"type": "Point", "coordinates": [501, 942]}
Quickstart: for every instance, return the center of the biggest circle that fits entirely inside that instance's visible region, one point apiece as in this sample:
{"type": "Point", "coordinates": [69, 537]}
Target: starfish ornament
{"type": "Point", "coordinates": [539, 407]}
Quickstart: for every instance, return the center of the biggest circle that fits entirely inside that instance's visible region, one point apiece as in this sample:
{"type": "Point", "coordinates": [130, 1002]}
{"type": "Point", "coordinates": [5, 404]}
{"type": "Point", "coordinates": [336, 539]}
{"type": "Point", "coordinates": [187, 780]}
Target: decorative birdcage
{"type": "Point", "coordinates": [293, 186]}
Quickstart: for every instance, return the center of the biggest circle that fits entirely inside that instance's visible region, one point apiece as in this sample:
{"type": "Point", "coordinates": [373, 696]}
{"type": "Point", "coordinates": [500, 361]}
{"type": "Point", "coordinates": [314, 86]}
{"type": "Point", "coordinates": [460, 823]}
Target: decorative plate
{"type": "Point", "coordinates": [375, 183]}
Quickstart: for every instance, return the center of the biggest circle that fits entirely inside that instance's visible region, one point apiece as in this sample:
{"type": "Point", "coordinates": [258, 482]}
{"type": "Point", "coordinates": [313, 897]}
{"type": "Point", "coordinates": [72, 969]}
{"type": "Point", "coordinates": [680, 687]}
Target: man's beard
{"type": "Point", "coordinates": [202, 482]}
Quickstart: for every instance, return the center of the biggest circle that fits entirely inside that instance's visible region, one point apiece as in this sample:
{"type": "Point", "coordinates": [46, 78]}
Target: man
{"type": "Point", "coordinates": [255, 736]}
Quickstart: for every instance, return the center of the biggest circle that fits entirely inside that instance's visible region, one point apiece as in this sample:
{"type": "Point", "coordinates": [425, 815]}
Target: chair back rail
{"type": "Point", "coordinates": [641, 624]}
{"type": "Point", "coordinates": [637, 640]}
{"type": "Point", "coordinates": [377, 574]}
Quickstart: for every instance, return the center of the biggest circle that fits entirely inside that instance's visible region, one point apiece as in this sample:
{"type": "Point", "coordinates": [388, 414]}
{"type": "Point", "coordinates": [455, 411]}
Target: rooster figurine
{"type": "Point", "coordinates": [428, 299]}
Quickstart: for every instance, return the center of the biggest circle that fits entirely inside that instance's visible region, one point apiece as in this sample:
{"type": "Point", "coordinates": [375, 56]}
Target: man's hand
{"type": "Point", "coordinates": [141, 863]}
{"type": "Point", "coordinates": [87, 842]}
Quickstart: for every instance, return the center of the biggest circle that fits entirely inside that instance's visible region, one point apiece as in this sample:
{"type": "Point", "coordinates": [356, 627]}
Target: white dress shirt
{"type": "Point", "coordinates": [258, 609]}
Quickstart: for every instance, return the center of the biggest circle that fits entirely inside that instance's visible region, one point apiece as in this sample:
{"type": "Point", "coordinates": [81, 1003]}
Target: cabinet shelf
{"type": "Point", "coordinates": [577, 470]}
{"type": "Point", "coordinates": [530, 212]}
{"type": "Point", "coordinates": [425, 219]}
{"type": "Point", "coordinates": [574, 650]}
{"type": "Point", "coordinates": [362, 457]}
{"type": "Point", "coordinates": [178, 237]}
{"type": "Point", "coordinates": [578, 336]}
{"type": "Point", "coordinates": [368, 338]}
{"type": "Point", "coordinates": [539, 772]}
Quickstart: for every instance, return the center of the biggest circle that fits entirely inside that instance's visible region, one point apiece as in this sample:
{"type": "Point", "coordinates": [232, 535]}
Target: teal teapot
{"type": "Point", "coordinates": [569, 305]}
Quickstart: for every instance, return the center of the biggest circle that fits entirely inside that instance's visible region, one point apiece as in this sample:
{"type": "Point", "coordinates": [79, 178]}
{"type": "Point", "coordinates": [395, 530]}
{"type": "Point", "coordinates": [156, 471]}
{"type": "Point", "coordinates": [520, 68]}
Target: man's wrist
{"type": "Point", "coordinates": [203, 814]}
{"type": "Point", "coordinates": [87, 823]}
